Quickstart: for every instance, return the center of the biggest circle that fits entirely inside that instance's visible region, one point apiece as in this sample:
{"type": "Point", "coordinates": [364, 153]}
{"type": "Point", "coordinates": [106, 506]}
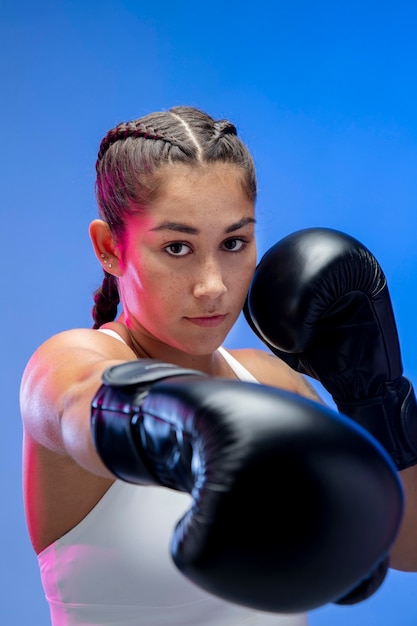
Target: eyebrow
{"type": "Point", "coordinates": [190, 230]}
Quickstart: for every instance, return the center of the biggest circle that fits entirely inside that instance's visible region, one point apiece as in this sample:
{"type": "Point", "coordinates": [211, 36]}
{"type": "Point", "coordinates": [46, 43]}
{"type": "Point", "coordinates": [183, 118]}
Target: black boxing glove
{"type": "Point", "coordinates": [320, 301]}
{"type": "Point", "coordinates": [283, 490]}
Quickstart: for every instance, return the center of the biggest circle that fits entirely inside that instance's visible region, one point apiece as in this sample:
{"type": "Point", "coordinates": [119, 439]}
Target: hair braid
{"type": "Point", "coordinates": [131, 161]}
{"type": "Point", "coordinates": [106, 300]}
{"type": "Point", "coordinates": [134, 129]}
{"type": "Point", "coordinates": [222, 128]}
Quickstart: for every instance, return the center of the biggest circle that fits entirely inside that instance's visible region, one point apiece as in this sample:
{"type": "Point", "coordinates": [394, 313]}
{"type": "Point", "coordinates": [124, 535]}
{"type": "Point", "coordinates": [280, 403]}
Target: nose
{"type": "Point", "coordinates": [209, 282]}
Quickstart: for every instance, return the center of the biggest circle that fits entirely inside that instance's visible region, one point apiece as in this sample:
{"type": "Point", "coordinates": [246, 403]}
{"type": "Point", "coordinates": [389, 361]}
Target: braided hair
{"type": "Point", "coordinates": [130, 166]}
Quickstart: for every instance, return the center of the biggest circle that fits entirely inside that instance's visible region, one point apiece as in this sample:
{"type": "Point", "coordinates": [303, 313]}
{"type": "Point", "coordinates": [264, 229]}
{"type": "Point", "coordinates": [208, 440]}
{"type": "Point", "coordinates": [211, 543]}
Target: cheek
{"type": "Point", "coordinates": [245, 272]}
{"type": "Point", "coordinates": [164, 289]}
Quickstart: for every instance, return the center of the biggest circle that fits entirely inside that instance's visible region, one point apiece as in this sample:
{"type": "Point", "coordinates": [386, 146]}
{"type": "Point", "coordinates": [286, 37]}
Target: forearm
{"type": "Point", "coordinates": [404, 551]}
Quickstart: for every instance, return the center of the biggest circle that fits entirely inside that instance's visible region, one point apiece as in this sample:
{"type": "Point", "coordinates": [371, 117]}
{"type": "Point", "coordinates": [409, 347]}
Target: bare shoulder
{"type": "Point", "coordinates": [64, 360]}
{"type": "Point", "coordinates": [82, 341]}
{"type": "Point", "coordinates": [71, 351]}
{"type": "Point", "coordinates": [270, 370]}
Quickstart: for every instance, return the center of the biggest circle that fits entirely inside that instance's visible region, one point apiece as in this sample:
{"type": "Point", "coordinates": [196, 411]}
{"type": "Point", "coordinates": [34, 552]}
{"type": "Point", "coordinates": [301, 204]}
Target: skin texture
{"type": "Point", "coordinates": [184, 267]}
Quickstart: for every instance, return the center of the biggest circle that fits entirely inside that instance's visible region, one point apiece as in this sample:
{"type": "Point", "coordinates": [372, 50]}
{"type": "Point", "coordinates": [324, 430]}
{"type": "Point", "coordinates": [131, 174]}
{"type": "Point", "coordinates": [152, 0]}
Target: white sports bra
{"type": "Point", "coordinates": [114, 568]}
{"type": "Point", "coordinates": [241, 372]}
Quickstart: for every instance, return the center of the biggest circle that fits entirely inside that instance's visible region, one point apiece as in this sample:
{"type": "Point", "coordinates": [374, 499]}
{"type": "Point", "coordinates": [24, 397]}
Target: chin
{"type": "Point", "coordinates": [205, 346]}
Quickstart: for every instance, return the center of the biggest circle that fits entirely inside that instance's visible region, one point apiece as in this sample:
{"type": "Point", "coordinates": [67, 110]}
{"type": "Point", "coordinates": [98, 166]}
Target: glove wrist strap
{"type": "Point", "coordinates": [391, 419]}
{"type": "Point", "coordinates": [117, 419]}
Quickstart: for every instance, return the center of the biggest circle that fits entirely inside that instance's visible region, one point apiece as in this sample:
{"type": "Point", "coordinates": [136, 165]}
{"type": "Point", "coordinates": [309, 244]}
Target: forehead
{"type": "Point", "coordinates": [224, 173]}
{"type": "Point", "coordinates": [196, 200]}
{"type": "Point", "coordinates": [185, 187]}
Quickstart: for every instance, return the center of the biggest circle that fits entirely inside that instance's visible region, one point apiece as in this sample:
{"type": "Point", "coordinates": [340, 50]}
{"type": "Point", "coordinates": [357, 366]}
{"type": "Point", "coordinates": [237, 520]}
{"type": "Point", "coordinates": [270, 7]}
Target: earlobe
{"type": "Point", "coordinates": [105, 246]}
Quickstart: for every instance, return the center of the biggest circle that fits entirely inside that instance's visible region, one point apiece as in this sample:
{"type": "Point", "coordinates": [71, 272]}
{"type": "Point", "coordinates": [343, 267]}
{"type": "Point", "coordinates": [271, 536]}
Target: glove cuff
{"type": "Point", "coordinates": [391, 419]}
{"type": "Point", "coordinates": [116, 417]}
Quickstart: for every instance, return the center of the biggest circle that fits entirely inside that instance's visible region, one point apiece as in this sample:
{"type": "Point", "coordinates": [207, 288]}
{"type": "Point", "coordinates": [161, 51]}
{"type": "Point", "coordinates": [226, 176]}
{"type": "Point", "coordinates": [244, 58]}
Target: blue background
{"type": "Point", "coordinates": [324, 93]}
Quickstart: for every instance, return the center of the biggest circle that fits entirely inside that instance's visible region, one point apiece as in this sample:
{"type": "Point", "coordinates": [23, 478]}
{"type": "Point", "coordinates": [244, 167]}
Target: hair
{"type": "Point", "coordinates": [130, 166]}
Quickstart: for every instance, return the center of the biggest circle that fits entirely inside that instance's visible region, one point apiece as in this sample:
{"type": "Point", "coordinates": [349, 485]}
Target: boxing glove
{"type": "Point", "coordinates": [283, 490]}
{"type": "Point", "coordinates": [320, 301]}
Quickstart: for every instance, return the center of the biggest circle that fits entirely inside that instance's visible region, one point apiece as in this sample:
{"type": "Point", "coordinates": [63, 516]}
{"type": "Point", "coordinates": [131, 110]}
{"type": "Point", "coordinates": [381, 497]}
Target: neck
{"type": "Point", "coordinates": [146, 347]}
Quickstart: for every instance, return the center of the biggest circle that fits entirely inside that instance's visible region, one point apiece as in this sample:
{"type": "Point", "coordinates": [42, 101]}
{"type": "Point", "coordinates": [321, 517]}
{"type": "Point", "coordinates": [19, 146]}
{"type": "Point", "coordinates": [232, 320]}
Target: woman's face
{"type": "Point", "coordinates": [186, 263]}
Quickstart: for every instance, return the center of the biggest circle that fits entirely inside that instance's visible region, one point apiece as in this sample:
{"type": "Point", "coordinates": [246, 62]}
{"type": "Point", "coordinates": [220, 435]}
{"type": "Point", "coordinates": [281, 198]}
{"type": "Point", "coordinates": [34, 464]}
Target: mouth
{"type": "Point", "coordinates": [207, 321]}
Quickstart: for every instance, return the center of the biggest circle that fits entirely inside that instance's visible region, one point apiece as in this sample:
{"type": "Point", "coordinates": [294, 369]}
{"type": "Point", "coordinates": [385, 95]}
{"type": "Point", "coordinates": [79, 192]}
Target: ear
{"type": "Point", "coordinates": [105, 247]}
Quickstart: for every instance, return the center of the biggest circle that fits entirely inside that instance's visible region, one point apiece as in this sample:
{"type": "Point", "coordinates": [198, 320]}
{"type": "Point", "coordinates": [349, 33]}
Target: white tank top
{"type": "Point", "coordinates": [114, 568]}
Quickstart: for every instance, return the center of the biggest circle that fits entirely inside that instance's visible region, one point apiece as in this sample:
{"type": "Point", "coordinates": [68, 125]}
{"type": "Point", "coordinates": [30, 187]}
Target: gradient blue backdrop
{"type": "Point", "coordinates": [324, 93]}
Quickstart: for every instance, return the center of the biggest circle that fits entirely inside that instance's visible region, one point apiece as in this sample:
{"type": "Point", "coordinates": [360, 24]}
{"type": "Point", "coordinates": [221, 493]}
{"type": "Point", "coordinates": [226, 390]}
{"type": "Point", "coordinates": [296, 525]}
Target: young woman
{"type": "Point", "coordinates": [176, 194]}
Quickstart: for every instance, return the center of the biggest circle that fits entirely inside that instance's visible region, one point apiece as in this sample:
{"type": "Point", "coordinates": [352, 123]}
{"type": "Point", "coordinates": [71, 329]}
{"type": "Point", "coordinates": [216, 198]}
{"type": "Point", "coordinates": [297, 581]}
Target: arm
{"type": "Point", "coordinates": [229, 445]}
{"type": "Point", "coordinates": [320, 301]}
{"type": "Point", "coordinates": [57, 388]}
{"type": "Point", "coordinates": [257, 500]}
{"type": "Point", "coordinates": [404, 550]}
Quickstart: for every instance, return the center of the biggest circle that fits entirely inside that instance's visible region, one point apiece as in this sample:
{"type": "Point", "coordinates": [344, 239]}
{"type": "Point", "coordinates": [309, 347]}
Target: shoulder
{"type": "Point", "coordinates": [270, 370]}
{"type": "Point", "coordinates": [69, 355]}
{"type": "Point", "coordinates": [80, 344]}
{"type": "Point", "coordinates": [63, 360]}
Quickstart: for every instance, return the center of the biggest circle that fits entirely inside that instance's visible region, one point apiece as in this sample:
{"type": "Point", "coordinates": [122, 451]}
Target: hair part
{"type": "Point", "coordinates": [130, 164]}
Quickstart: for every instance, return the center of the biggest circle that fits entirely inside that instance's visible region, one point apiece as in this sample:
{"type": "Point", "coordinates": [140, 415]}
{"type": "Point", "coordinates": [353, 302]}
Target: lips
{"type": "Point", "coordinates": [208, 321]}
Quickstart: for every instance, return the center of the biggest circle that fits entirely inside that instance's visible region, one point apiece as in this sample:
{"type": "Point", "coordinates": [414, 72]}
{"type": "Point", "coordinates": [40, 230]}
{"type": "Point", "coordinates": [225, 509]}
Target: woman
{"type": "Point", "coordinates": [176, 194]}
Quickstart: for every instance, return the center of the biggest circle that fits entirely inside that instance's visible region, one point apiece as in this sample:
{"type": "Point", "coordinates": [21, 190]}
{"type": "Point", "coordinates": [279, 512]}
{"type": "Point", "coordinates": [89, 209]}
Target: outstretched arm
{"type": "Point", "coordinates": [258, 468]}
{"type": "Point", "coordinates": [273, 478]}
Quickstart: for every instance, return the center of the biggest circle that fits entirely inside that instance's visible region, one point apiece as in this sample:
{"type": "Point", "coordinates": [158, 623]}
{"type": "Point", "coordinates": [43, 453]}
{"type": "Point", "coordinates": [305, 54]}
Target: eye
{"type": "Point", "coordinates": [177, 249]}
{"type": "Point", "coordinates": [233, 245]}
